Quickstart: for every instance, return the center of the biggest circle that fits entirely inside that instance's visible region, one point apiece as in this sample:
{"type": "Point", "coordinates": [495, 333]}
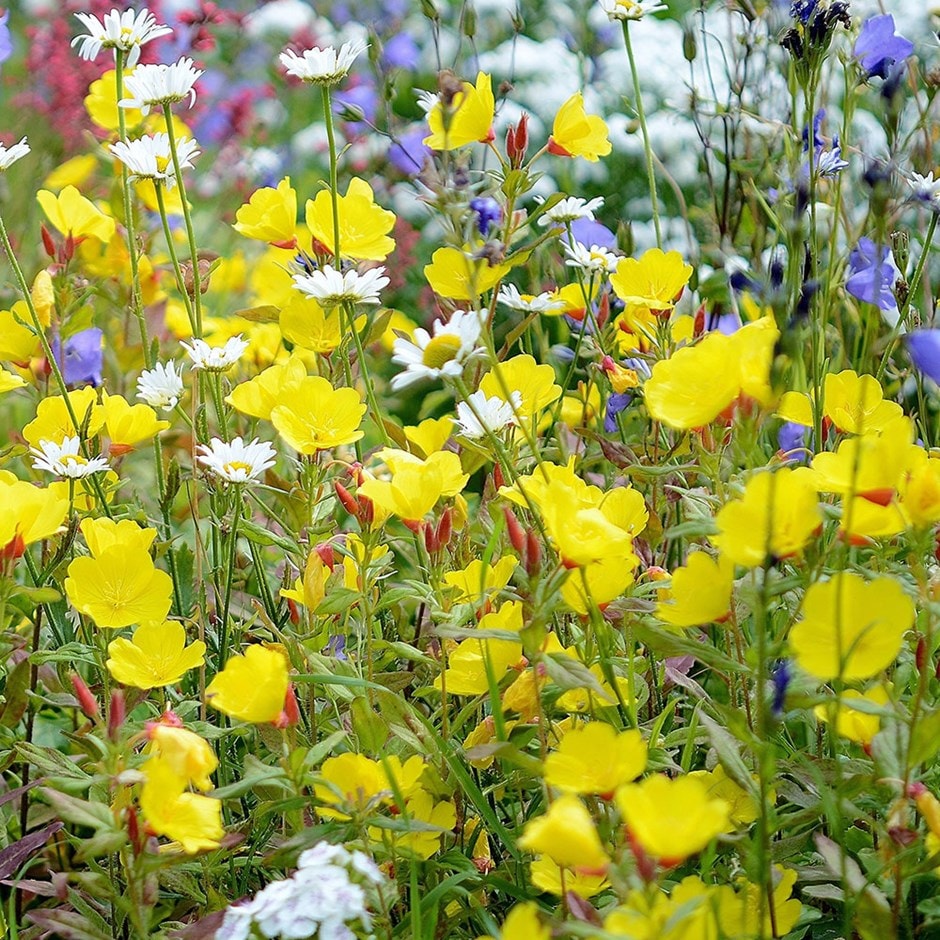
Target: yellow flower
{"type": "Point", "coordinates": [477, 580]}
{"type": "Point", "coordinates": [523, 924]}
{"type": "Point", "coordinates": [266, 390]}
{"type": "Point", "coordinates": [567, 835]}
{"type": "Point", "coordinates": [192, 820]}
{"type": "Point", "coordinates": [458, 275]}
{"type": "Point", "coordinates": [700, 592]}
{"type": "Point", "coordinates": [72, 214]}
{"type": "Point", "coordinates": [596, 759]}
{"type": "Point", "coordinates": [855, 403]}
{"type": "Point", "coordinates": [430, 435]}
{"type": "Point", "coordinates": [363, 226]}
{"type": "Point", "coordinates": [687, 914]}
{"type": "Point", "coordinates": [468, 118]}
{"type": "Point", "coordinates": [851, 628]}
{"type": "Point", "coordinates": [672, 819]}
{"type": "Point", "coordinates": [739, 911]}
{"type": "Point", "coordinates": [411, 493]}
{"type": "Point", "coordinates": [744, 808]}
{"type": "Point", "coordinates": [577, 134]}
{"type": "Point", "coordinates": [184, 752]}
{"type": "Point", "coordinates": [102, 107]}
{"type": "Point", "coordinates": [607, 579]}
{"type": "Point", "coordinates": [654, 282]}
{"type": "Point", "coordinates": [251, 687]}
{"type": "Point", "coordinates": [313, 416]}
{"type": "Point", "coordinates": [127, 425]}
{"type": "Point", "coordinates": [119, 587]}
{"type": "Point", "coordinates": [156, 656]}
{"type": "Point", "coordinates": [270, 215]}
{"type": "Point", "coordinates": [353, 783]}
{"type": "Point", "coordinates": [18, 343]}
{"type": "Point", "coordinates": [535, 384]}
{"type": "Point", "coordinates": [28, 514]}
{"type": "Point", "coordinates": [920, 493]}
{"type": "Point", "coordinates": [53, 423]}
{"type": "Point", "coordinates": [42, 295]}
{"type": "Point", "coordinates": [306, 324]}
{"type": "Point", "coordinates": [852, 723]}
{"type": "Point", "coordinates": [422, 809]}
{"type": "Point", "coordinates": [546, 875]}
{"type": "Point", "coordinates": [102, 534]}
{"type": "Point", "coordinates": [777, 515]}
{"type": "Point", "coordinates": [311, 589]}
{"type": "Point", "coordinates": [72, 172]}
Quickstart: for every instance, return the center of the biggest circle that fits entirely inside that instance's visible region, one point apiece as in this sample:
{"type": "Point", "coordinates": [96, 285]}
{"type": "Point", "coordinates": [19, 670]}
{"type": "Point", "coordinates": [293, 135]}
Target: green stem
{"type": "Point", "coordinates": [334, 194]}
{"type": "Point", "coordinates": [174, 257]}
{"type": "Point", "coordinates": [229, 577]}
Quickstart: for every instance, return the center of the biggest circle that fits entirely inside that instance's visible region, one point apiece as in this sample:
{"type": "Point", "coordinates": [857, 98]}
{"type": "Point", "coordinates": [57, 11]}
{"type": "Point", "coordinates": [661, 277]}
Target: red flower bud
{"type": "Point", "coordinates": [290, 715]}
{"type": "Point", "coordinates": [603, 309]}
{"type": "Point", "coordinates": [516, 534]}
{"type": "Point", "coordinates": [87, 701]}
{"type": "Point", "coordinates": [116, 714]}
{"type": "Point", "coordinates": [326, 553]}
{"type": "Point", "coordinates": [699, 328]}
{"type": "Point", "coordinates": [533, 553]}
{"type": "Point", "coordinates": [517, 142]}
{"type": "Point", "coordinates": [430, 540]}
{"type": "Point", "coordinates": [920, 655]}
{"type": "Point", "coordinates": [346, 498]}
{"type": "Point", "coordinates": [445, 527]}
{"type": "Point", "coordinates": [47, 241]}
{"type": "Point", "coordinates": [498, 478]}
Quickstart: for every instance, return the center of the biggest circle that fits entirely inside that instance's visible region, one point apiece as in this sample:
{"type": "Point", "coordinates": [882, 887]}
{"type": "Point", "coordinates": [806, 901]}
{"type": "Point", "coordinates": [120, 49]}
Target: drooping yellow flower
{"type": "Point", "coordinates": [363, 225]}
{"type": "Point", "coordinates": [184, 752]}
{"type": "Point", "coordinates": [102, 107]}
{"type": "Point", "coordinates": [920, 492]}
{"type": "Point", "coordinates": [102, 534]}
{"type": "Point", "coordinates": [313, 416]}
{"type": "Point", "coordinates": [430, 435]}
{"type": "Point", "coordinates": [467, 119]}
{"type": "Point", "coordinates": [126, 425]}
{"type": "Point", "coordinates": [653, 282]}
{"type": "Point", "coordinates": [534, 383]}
{"type": "Point", "coordinates": [523, 924]}
{"type": "Point", "coordinates": [700, 592]}
{"type": "Point", "coordinates": [276, 384]}
{"type": "Point", "coordinates": [672, 819]}
{"type": "Point", "coordinates": [478, 580]}
{"type": "Point", "coordinates": [270, 215]}
{"type": "Point", "coordinates": [251, 687]}
{"type": "Point", "coordinates": [739, 911]}
{"type": "Point", "coordinates": [42, 294]}
{"type": "Point", "coordinates": [547, 875]}
{"type": "Point", "coordinates": [28, 514]}
{"type": "Point", "coordinates": [852, 723]}
{"type": "Point", "coordinates": [53, 422]}
{"type": "Point", "coordinates": [851, 628]}
{"type": "Point", "coordinates": [72, 214]}
{"type": "Point", "coordinates": [410, 494]}
{"type": "Point", "coordinates": [578, 134]}
{"type": "Point", "coordinates": [777, 515]}
{"type": "Point", "coordinates": [595, 758]}
{"type": "Point", "coordinates": [458, 275]}
{"type": "Point", "coordinates": [156, 656]}
{"type": "Point", "coordinates": [567, 835]}
{"type": "Point", "coordinates": [744, 809]}
{"type": "Point", "coordinates": [119, 587]}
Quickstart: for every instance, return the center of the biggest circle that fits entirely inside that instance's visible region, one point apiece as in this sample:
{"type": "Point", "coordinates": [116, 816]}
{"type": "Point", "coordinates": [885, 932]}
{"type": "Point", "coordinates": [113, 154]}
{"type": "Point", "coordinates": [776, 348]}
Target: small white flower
{"type": "Point", "coordinates": [510, 297]}
{"type": "Point", "coordinates": [161, 386]}
{"type": "Point", "coordinates": [925, 189]}
{"type": "Point", "coordinates": [322, 66]}
{"type": "Point", "coordinates": [152, 85]}
{"type": "Point", "coordinates": [66, 459]}
{"type": "Point", "coordinates": [150, 157]}
{"type": "Point", "coordinates": [444, 353]}
{"type": "Point", "coordinates": [215, 358]}
{"type": "Point", "coordinates": [570, 209]}
{"type": "Point", "coordinates": [593, 260]}
{"type": "Point", "coordinates": [630, 9]}
{"type": "Point", "coordinates": [236, 462]}
{"type": "Point", "coordinates": [479, 415]}
{"type": "Point", "coordinates": [126, 31]}
{"type": "Point", "coordinates": [331, 287]}
{"type": "Point", "coordinates": [9, 155]}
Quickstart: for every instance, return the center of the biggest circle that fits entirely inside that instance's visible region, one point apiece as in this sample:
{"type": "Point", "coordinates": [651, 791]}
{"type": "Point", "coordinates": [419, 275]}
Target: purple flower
{"type": "Point", "coordinates": [616, 402]}
{"type": "Point", "coordinates": [872, 275]}
{"type": "Point", "coordinates": [488, 211]}
{"type": "Point", "coordinates": [791, 439]}
{"type": "Point", "coordinates": [83, 357]}
{"type": "Point", "coordinates": [589, 232]}
{"type": "Point", "coordinates": [879, 47]}
{"type": "Point", "coordinates": [401, 52]}
{"type": "Point", "coordinates": [923, 346]}
{"type": "Point", "coordinates": [6, 43]}
{"type": "Point", "coordinates": [802, 10]}
{"type": "Point", "coordinates": [780, 679]}
{"type": "Point", "coordinates": [352, 100]}
{"type": "Point", "coordinates": [409, 153]}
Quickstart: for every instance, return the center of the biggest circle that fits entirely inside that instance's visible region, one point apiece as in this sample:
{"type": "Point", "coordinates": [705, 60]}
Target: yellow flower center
{"type": "Point", "coordinates": [441, 350]}
{"type": "Point", "coordinates": [233, 466]}
{"type": "Point", "coordinates": [73, 460]}
{"type": "Point", "coordinates": [162, 164]}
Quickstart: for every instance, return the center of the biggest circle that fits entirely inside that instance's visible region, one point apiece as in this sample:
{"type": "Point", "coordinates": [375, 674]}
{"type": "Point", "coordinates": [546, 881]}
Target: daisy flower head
{"type": "Point", "coordinates": [925, 189]}
{"type": "Point", "coordinates": [443, 353]}
{"type": "Point", "coordinates": [509, 296]}
{"type": "Point", "coordinates": [66, 459]}
{"type": "Point", "coordinates": [161, 386]}
{"type": "Point", "coordinates": [479, 415]}
{"type": "Point", "coordinates": [9, 155]}
{"type": "Point", "coordinates": [150, 157]}
{"type": "Point", "coordinates": [570, 209]}
{"type": "Point", "coordinates": [215, 358]}
{"type": "Point", "coordinates": [331, 287]}
{"type": "Point", "coordinates": [593, 260]}
{"type": "Point", "coordinates": [154, 85]}
{"type": "Point", "coordinates": [126, 31]}
{"type": "Point", "coordinates": [236, 461]}
{"type": "Point", "coordinates": [322, 66]}
{"type": "Point", "coordinates": [630, 9]}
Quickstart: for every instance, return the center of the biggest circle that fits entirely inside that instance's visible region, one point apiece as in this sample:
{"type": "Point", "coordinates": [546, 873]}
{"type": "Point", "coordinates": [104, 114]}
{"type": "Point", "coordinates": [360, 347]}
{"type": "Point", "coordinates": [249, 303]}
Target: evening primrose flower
{"type": "Point", "coordinates": [468, 119]}
{"type": "Point", "coordinates": [570, 209]}
{"type": "Point", "coordinates": [72, 214]}
{"type": "Point", "coordinates": [331, 287]}
{"type": "Point", "coordinates": [126, 31]}
{"type": "Point", "coordinates": [150, 157]}
{"type": "Point", "coordinates": [66, 459]}
{"type": "Point", "coordinates": [363, 225]}
{"type": "Point", "coordinates": [566, 834]}
{"type": "Point", "coordinates": [182, 750]}
{"type": "Point", "coordinates": [312, 415]}
{"type": "Point", "coordinates": [162, 386]}
{"type": "Point", "coordinates": [578, 134]}
{"type": "Point", "coordinates": [156, 655]}
{"type": "Point", "coordinates": [654, 281]}
{"type": "Point", "coordinates": [251, 687]}
{"type": "Point", "coordinates": [700, 592]}
{"type": "Point", "coordinates": [445, 353]}
{"type": "Point", "coordinates": [533, 382]}
{"type": "Point", "coordinates": [596, 758]}
{"type": "Point", "coordinates": [154, 85]}
{"type": "Point", "coordinates": [215, 358]}
{"type": "Point", "coordinates": [630, 9]}
{"type": "Point", "coordinates": [9, 155]}
{"type": "Point", "coordinates": [28, 514]}
{"type": "Point", "coordinates": [270, 215]}
{"type": "Point", "coordinates": [236, 461]}
{"type": "Point", "coordinates": [480, 415]}
{"type": "Point", "coordinates": [459, 275]}
{"type": "Point", "coordinates": [126, 425]}
{"type": "Point", "coordinates": [323, 66]}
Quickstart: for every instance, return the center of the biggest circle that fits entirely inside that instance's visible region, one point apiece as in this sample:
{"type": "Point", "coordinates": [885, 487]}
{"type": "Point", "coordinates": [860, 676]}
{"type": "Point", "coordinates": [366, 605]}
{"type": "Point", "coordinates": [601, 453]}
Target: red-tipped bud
{"type": "Point", "coordinates": [47, 241]}
{"type": "Point", "coordinates": [445, 527]}
{"type": "Point", "coordinates": [916, 789]}
{"type": "Point", "coordinates": [430, 540]}
{"type": "Point", "coordinates": [557, 149]}
{"type": "Point", "coordinates": [498, 479]}
{"type": "Point", "coordinates": [290, 714]}
{"type": "Point", "coordinates": [367, 512]}
{"type": "Point", "coordinates": [116, 714]}
{"type": "Point", "coordinates": [136, 837]}
{"type": "Point", "coordinates": [920, 655]}
{"type": "Point", "coordinates": [416, 525]}
{"type": "Point", "coordinates": [293, 611]}
{"type": "Point", "coordinates": [517, 142]}
{"type": "Point", "coordinates": [515, 530]}
{"type": "Point", "coordinates": [346, 498]}
{"type": "Point", "coordinates": [645, 866]}
{"type": "Point", "coordinates": [87, 701]}
{"type": "Point", "coordinates": [603, 310]}
{"type": "Point", "coordinates": [699, 327]}
{"type": "Point", "coordinates": [533, 553]}
{"type": "Point", "coordinates": [355, 473]}
{"type": "Point", "coordinates": [326, 553]}
{"type": "Point", "coordinates": [68, 249]}
{"type": "Point", "coordinates": [290, 244]}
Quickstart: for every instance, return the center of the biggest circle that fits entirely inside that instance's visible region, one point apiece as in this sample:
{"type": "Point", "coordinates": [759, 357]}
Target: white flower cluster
{"type": "Point", "coordinates": [326, 893]}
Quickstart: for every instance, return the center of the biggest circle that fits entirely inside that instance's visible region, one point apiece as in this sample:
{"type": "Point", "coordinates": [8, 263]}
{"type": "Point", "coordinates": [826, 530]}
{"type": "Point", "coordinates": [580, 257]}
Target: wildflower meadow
{"type": "Point", "coordinates": [470, 470]}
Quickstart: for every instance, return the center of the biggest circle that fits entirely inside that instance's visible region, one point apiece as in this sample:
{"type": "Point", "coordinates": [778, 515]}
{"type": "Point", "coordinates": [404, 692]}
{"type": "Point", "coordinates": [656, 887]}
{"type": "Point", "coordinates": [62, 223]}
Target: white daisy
{"type": "Point", "coordinates": [570, 209]}
{"type": "Point", "coordinates": [215, 358]}
{"type": "Point", "coordinates": [161, 386]}
{"type": "Point", "coordinates": [150, 158]}
{"type": "Point", "coordinates": [331, 287]}
{"type": "Point", "coordinates": [322, 66]}
{"type": "Point", "coordinates": [593, 260]}
{"type": "Point", "coordinates": [509, 296]}
{"type": "Point", "coordinates": [66, 459]}
{"type": "Point", "coordinates": [9, 155]}
{"type": "Point", "coordinates": [126, 31]}
{"type": "Point", "coordinates": [445, 353]}
{"type": "Point", "coordinates": [153, 85]}
{"type": "Point", "coordinates": [925, 189]}
{"type": "Point", "coordinates": [479, 415]}
{"type": "Point", "coordinates": [236, 461]}
{"type": "Point", "coordinates": [630, 9]}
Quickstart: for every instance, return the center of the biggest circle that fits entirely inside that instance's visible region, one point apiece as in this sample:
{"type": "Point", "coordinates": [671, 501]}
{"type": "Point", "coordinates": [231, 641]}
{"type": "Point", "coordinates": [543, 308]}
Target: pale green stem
{"type": "Point", "coordinates": [174, 257]}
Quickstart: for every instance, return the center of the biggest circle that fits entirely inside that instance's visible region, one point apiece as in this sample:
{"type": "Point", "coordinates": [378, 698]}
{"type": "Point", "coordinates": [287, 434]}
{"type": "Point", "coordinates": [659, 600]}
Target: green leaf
{"type": "Point", "coordinates": [15, 693]}
{"type": "Point", "coordinates": [925, 738]}
{"type": "Point", "coordinates": [80, 812]}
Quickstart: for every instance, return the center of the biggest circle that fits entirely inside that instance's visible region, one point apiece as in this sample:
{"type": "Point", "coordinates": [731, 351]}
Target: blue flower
{"type": "Point", "coordinates": [616, 403]}
{"type": "Point", "coordinates": [802, 10]}
{"type": "Point", "coordinates": [83, 357]}
{"type": "Point", "coordinates": [923, 346]}
{"type": "Point", "coordinates": [879, 48]}
{"type": "Point", "coordinates": [872, 275]}
{"type": "Point", "coordinates": [487, 211]}
{"type": "Point", "coordinates": [780, 679]}
{"type": "Point", "coordinates": [401, 52]}
{"type": "Point", "coordinates": [409, 153]}
{"type": "Point", "coordinates": [590, 232]}
{"type": "Point", "coordinates": [791, 439]}
{"type": "Point", "coordinates": [6, 43]}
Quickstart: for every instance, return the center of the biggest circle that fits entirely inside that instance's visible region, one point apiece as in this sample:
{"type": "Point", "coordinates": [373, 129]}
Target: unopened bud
{"type": "Point", "coordinates": [326, 553]}
{"type": "Point", "coordinates": [603, 310]}
{"type": "Point", "coordinates": [920, 654]}
{"type": "Point", "coordinates": [87, 701]}
{"type": "Point", "coordinates": [47, 241]}
{"type": "Point", "coordinates": [430, 540]}
{"type": "Point", "coordinates": [517, 142]}
{"type": "Point", "coordinates": [445, 527]}
{"type": "Point", "coordinates": [516, 534]}
{"type": "Point", "coordinates": [116, 714]}
{"type": "Point", "coordinates": [290, 714]}
{"type": "Point", "coordinates": [346, 498]}
{"type": "Point", "coordinates": [499, 480]}
{"type": "Point", "coordinates": [533, 553]}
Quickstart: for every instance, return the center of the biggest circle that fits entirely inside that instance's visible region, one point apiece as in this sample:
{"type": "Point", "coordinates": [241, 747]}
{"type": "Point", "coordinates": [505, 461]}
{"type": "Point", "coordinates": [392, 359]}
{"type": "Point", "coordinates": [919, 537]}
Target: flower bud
{"type": "Point", "coordinates": [516, 534]}
{"type": "Point", "coordinates": [517, 142]}
{"type": "Point", "coordinates": [87, 701]}
{"type": "Point", "coordinates": [116, 714]}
